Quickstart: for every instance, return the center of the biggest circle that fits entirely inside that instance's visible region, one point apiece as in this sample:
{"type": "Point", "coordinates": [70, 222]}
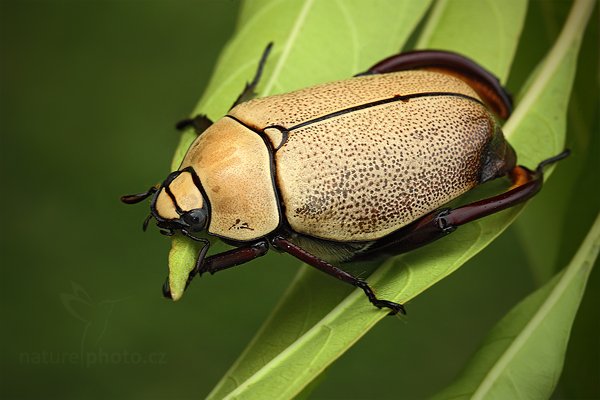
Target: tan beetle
{"type": "Point", "coordinates": [348, 170]}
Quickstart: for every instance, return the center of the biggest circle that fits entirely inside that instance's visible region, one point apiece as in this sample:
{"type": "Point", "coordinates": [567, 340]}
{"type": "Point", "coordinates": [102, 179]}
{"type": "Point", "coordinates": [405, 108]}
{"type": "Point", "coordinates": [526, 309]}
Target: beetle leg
{"type": "Point", "coordinates": [221, 261]}
{"type": "Point", "coordinates": [234, 257]}
{"type": "Point", "coordinates": [482, 81]}
{"type": "Point", "coordinates": [200, 123]}
{"type": "Point", "coordinates": [439, 223]}
{"type": "Point", "coordinates": [525, 185]}
{"type": "Point", "coordinates": [324, 266]}
{"type": "Point", "coordinates": [248, 92]}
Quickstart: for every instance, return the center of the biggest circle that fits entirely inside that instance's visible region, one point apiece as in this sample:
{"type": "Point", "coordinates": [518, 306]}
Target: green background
{"type": "Point", "coordinates": [89, 94]}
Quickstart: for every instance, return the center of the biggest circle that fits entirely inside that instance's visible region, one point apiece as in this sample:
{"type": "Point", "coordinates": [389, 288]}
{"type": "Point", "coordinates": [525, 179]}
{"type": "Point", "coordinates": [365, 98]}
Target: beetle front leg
{"type": "Point", "coordinates": [324, 266]}
{"type": "Point", "coordinates": [232, 258]}
{"type": "Point", "coordinates": [221, 261]}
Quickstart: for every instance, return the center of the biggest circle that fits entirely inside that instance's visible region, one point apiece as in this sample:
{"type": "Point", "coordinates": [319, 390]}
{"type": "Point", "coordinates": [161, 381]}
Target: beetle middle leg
{"type": "Point", "coordinates": [324, 266]}
{"type": "Point", "coordinates": [201, 122]}
{"type": "Point", "coordinates": [248, 92]}
{"type": "Point", "coordinates": [439, 223]}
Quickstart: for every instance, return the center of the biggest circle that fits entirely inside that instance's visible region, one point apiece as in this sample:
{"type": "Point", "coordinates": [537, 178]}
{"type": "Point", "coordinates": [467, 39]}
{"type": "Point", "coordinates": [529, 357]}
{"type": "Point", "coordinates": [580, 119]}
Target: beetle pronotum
{"type": "Point", "coordinates": [348, 170]}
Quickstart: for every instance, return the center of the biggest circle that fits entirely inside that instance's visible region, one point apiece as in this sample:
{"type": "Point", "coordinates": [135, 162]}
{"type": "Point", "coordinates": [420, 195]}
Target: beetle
{"type": "Point", "coordinates": [345, 171]}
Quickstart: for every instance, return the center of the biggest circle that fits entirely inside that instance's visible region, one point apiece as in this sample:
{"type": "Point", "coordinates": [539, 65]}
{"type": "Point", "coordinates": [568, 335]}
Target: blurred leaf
{"type": "Point", "coordinates": [543, 104]}
{"type": "Point", "coordinates": [523, 355]}
{"type": "Point", "coordinates": [580, 377]}
{"type": "Point", "coordinates": [553, 207]}
{"type": "Point", "coordinates": [548, 249]}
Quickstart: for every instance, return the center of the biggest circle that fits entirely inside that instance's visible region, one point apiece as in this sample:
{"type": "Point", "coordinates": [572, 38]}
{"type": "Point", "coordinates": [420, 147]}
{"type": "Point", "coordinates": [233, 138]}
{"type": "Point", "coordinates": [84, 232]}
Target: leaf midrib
{"type": "Point", "coordinates": [581, 12]}
{"type": "Point", "coordinates": [287, 47]}
{"type": "Point", "coordinates": [583, 259]}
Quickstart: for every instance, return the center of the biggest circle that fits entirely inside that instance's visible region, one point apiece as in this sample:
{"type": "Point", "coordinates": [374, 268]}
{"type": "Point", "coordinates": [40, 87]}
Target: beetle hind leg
{"type": "Point", "coordinates": [441, 222]}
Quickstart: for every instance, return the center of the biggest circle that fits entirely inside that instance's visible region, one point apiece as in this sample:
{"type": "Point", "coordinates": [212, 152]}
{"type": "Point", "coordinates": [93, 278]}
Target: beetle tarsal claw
{"type": "Point", "coordinates": [394, 307]}
{"type": "Point", "coordinates": [379, 303]}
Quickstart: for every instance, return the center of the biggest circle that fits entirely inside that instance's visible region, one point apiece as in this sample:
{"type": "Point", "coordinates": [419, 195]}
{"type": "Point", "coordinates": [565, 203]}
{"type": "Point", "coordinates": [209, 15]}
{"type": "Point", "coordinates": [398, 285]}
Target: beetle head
{"type": "Point", "coordinates": [179, 204]}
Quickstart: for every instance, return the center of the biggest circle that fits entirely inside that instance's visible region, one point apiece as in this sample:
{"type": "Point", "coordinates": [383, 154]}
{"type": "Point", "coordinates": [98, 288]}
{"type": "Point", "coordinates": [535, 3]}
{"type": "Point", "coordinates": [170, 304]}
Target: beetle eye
{"type": "Point", "coordinates": [196, 219]}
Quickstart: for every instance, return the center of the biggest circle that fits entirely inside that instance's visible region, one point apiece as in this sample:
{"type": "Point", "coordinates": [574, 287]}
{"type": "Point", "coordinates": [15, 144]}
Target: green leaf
{"type": "Point", "coordinates": [310, 328]}
{"type": "Point", "coordinates": [548, 249]}
{"type": "Point", "coordinates": [179, 266]}
{"type": "Point", "coordinates": [522, 357]}
{"type": "Point", "coordinates": [560, 66]}
{"type": "Point", "coordinates": [542, 107]}
{"type": "Point", "coordinates": [452, 20]}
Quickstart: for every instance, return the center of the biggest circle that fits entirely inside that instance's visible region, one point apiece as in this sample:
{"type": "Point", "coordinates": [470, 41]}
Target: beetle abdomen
{"type": "Point", "coordinates": [361, 175]}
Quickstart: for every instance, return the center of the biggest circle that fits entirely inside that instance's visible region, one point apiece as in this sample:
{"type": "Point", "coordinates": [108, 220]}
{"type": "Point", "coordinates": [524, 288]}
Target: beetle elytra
{"type": "Point", "coordinates": [348, 170]}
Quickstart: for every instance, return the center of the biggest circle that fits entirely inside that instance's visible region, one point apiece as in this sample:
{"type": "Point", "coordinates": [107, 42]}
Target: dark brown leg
{"type": "Point", "coordinates": [439, 223]}
{"type": "Point", "coordinates": [248, 92]}
{"type": "Point", "coordinates": [303, 255]}
{"type": "Point", "coordinates": [200, 123]}
{"type": "Point", "coordinates": [221, 261]}
{"type": "Point", "coordinates": [234, 257]}
{"type": "Point", "coordinates": [482, 81]}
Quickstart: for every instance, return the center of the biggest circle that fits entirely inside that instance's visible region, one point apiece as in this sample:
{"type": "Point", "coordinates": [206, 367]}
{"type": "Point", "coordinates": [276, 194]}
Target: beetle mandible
{"type": "Point", "coordinates": [348, 170]}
